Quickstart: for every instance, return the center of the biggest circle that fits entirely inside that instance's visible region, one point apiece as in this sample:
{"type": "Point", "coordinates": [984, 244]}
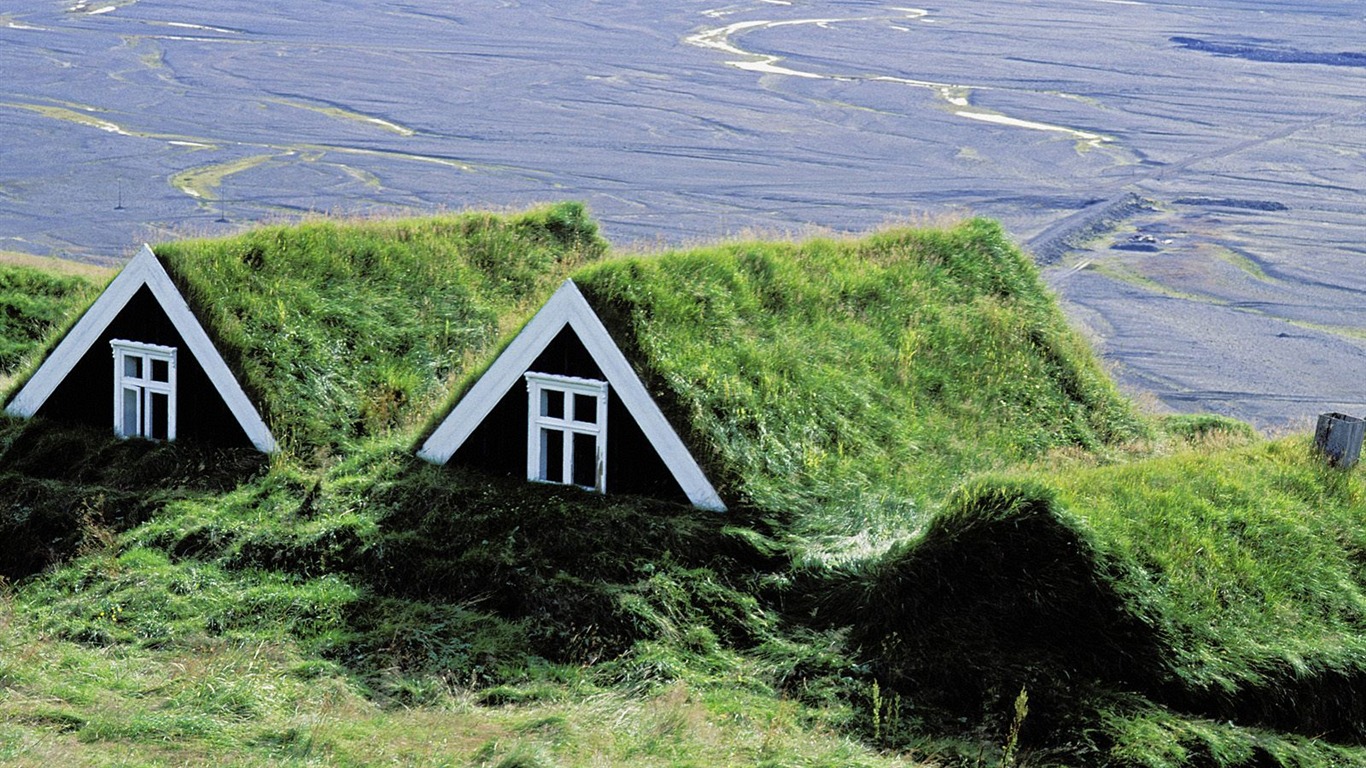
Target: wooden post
{"type": "Point", "coordinates": [1339, 437]}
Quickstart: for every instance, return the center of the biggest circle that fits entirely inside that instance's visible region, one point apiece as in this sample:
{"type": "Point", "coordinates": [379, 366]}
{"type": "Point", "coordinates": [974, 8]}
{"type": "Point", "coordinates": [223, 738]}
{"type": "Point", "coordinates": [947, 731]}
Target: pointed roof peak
{"type": "Point", "coordinates": [143, 270]}
{"type": "Point", "coordinates": [569, 307]}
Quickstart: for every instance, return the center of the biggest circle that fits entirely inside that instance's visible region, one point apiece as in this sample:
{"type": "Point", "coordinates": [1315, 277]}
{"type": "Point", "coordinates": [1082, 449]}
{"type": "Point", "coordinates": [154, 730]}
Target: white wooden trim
{"type": "Point", "coordinates": [600, 455]}
{"type": "Point", "coordinates": [144, 385]}
{"type": "Point", "coordinates": [533, 440]}
{"type": "Point", "coordinates": [144, 269]}
{"type": "Point", "coordinates": [569, 307]}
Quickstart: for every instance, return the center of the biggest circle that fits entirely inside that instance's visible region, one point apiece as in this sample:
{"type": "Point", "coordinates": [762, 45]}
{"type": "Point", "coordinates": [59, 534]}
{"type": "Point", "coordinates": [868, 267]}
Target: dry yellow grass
{"type": "Point", "coordinates": [94, 272]}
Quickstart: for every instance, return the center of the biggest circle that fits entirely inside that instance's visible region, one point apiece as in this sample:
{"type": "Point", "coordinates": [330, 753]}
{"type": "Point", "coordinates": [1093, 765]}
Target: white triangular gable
{"type": "Point", "coordinates": [568, 307]}
{"type": "Point", "coordinates": [144, 269]}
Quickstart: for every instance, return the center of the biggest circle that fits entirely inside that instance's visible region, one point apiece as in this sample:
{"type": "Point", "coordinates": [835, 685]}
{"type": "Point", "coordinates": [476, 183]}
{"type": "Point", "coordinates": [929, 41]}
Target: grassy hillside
{"type": "Point", "coordinates": [853, 382]}
{"type": "Point", "coordinates": [951, 539]}
{"type": "Point", "coordinates": [36, 299]}
{"type": "Point", "coordinates": [1206, 606]}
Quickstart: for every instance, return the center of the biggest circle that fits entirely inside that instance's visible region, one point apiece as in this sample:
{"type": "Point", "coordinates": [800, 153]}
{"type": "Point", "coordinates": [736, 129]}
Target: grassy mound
{"type": "Point", "coordinates": [1252, 559]}
{"type": "Point", "coordinates": [1206, 586]}
{"type": "Point", "coordinates": [852, 382]}
{"type": "Point", "coordinates": [35, 302]}
{"type": "Point", "coordinates": [1002, 591]}
{"type": "Point", "coordinates": [343, 331]}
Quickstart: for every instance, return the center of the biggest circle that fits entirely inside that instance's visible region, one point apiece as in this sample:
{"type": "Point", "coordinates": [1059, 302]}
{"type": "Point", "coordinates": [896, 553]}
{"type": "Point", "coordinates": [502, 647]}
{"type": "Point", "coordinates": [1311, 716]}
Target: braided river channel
{"type": "Point", "coordinates": [1188, 175]}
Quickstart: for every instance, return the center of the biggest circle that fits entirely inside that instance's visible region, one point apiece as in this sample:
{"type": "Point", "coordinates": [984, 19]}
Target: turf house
{"type": "Point", "coordinates": [487, 533]}
{"type": "Point", "coordinates": [562, 404]}
{"type": "Point", "coordinates": [140, 361]}
{"type": "Point", "coordinates": [311, 339]}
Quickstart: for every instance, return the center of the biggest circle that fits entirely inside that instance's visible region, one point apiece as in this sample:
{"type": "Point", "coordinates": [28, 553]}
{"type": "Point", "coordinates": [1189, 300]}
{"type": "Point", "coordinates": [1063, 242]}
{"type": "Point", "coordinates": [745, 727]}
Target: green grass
{"type": "Point", "coordinates": [1154, 737]}
{"type": "Point", "coordinates": [1215, 591]}
{"type": "Point", "coordinates": [853, 382]}
{"type": "Point", "coordinates": [35, 301]}
{"type": "Point", "coordinates": [1250, 560]}
{"type": "Point", "coordinates": [938, 501]}
{"type": "Point", "coordinates": [263, 703]}
{"type": "Point", "coordinates": [343, 331]}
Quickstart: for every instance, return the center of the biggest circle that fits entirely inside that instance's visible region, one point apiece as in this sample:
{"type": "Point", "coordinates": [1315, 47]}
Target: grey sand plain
{"type": "Point", "coordinates": [1189, 175]}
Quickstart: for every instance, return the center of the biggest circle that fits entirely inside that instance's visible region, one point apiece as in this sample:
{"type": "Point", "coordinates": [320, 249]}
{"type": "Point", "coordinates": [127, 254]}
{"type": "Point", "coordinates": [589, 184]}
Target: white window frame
{"type": "Point", "coordinates": [539, 383]}
{"type": "Point", "coordinates": [569, 310]}
{"type": "Point", "coordinates": [144, 386]}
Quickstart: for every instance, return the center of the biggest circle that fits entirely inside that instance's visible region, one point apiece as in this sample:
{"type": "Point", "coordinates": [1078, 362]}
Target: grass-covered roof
{"type": "Point", "coordinates": [851, 377]}
{"type": "Point", "coordinates": [1202, 599]}
{"type": "Point", "coordinates": [348, 330]}
{"type": "Point", "coordinates": [37, 298]}
{"type": "Point", "coordinates": [799, 372]}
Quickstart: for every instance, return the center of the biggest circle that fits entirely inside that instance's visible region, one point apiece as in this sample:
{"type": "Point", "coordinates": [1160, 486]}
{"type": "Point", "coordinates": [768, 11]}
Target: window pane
{"type": "Point", "coordinates": [161, 370]}
{"type": "Point", "coordinates": [158, 419]}
{"type": "Point", "coordinates": [552, 403]}
{"type": "Point", "coordinates": [586, 408]}
{"type": "Point", "coordinates": [552, 455]}
{"type": "Point", "coordinates": [585, 460]}
{"type": "Point", "coordinates": [132, 366]}
{"type": "Point", "coordinates": [132, 421]}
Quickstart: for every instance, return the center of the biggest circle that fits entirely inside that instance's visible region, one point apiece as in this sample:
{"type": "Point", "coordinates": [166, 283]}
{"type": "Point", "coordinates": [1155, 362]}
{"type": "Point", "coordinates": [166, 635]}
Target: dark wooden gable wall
{"type": "Point", "coordinates": [86, 395]}
{"type": "Point", "coordinates": [499, 444]}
